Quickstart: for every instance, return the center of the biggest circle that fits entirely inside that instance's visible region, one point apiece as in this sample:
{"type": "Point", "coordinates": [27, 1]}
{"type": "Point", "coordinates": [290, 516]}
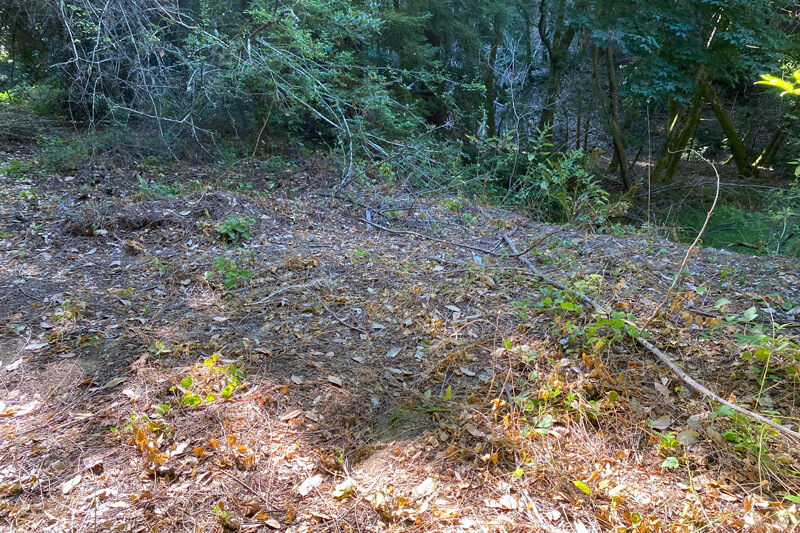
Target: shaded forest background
{"type": "Point", "coordinates": [577, 111]}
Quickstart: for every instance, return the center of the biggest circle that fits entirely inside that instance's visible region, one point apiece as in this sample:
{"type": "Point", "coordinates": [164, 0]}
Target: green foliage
{"type": "Point", "coordinates": [234, 274]}
{"type": "Point", "coordinates": [235, 227]}
{"type": "Point", "coordinates": [16, 170]}
{"type": "Point", "coordinates": [561, 189]}
{"type": "Point", "coordinates": [211, 379]}
{"type": "Point", "coordinates": [360, 254]}
{"type": "Point", "coordinates": [772, 227]}
{"type": "Point", "coordinates": [747, 436]}
{"type": "Point", "coordinates": [155, 188]}
{"type": "Point", "coordinates": [785, 86]}
{"type": "Point", "coordinates": [60, 154]}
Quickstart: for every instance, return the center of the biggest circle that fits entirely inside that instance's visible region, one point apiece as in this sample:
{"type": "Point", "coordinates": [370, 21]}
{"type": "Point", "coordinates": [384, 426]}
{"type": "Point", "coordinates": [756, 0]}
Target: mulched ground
{"type": "Point", "coordinates": [349, 378]}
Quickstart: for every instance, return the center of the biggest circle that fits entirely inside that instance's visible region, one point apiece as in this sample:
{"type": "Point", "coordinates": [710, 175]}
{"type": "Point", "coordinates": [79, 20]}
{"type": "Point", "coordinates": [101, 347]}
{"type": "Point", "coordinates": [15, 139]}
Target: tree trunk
{"type": "Point", "coordinates": [557, 54]}
{"type": "Point", "coordinates": [678, 137]}
{"type": "Point", "coordinates": [767, 156]}
{"type": "Point", "coordinates": [626, 129]}
{"type": "Point", "coordinates": [610, 105]}
{"type": "Point", "coordinates": [491, 108]}
{"type": "Point", "coordinates": [737, 147]}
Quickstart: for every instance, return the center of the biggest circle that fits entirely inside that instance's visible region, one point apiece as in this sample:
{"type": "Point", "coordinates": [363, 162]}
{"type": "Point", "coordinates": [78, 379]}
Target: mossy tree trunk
{"type": "Point", "coordinates": [738, 151]}
{"type": "Point", "coordinates": [610, 105]}
{"type": "Point", "coordinates": [767, 156]}
{"type": "Point", "coordinates": [626, 130]}
{"type": "Point", "coordinates": [682, 124]}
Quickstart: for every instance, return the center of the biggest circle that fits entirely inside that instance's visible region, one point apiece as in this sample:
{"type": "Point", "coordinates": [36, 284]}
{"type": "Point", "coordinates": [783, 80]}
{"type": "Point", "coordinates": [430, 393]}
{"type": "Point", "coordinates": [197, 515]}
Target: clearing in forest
{"type": "Point", "coordinates": [240, 351]}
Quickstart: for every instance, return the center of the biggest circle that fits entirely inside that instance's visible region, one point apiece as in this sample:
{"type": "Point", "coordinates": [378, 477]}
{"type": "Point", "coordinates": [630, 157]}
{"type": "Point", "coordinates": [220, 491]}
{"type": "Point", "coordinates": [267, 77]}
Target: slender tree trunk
{"type": "Point", "coordinates": [737, 146]}
{"type": "Point", "coordinates": [768, 154]}
{"type": "Point", "coordinates": [526, 17]}
{"type": "Point", "coordinates": [626, 130]}
{"type": "Point", "coordinates": [610, 105]}
{"type": "Point", "coordinates": [685, 137]}
{"type": "Point", "coordinates": [775, 143]}
{"type": "Point", "coordinates": [586, 129]}
{"type": "Point", "coordinates": [491, 108]}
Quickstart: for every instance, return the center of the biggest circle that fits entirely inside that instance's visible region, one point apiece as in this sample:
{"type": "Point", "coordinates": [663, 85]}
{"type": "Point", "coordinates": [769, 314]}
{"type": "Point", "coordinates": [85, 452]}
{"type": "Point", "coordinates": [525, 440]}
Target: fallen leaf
{"type": "Point", "coordinates": [475, 432]}
{"type": "Point", "coordinates": [310, 484]}
{"type": "Point", "coordinates": [663, 389]}
{"type": "Point", "coordinates": [662, 422]}
{"type": "Point", "coordinates": [687, 437]}
{"type": "Point", "coordinates": [69, 485]}
{"type": "Point", "coordinates": [335, 380]}
{"type": "Point", "coordinates": [114, 382]}
{"type": "Point", "coordinates": [391, 354]}
{"type": "Point", "coordinates": [425, 488]}
{"type": "Point", "coordinates": [507, 503]}
{"type": "Point", "coordinates": [27, 408]}
{"type": "Point", "coordinates": [13, 366]}
{"type": "Point", "coordinates": [35, 346]}
{"type": "Point", "coordinates": [130, 394]}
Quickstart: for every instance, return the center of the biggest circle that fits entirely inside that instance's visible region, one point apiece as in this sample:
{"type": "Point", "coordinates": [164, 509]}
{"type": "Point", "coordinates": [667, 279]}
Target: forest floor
{"type": "Point", "coordinates": [319, 373]}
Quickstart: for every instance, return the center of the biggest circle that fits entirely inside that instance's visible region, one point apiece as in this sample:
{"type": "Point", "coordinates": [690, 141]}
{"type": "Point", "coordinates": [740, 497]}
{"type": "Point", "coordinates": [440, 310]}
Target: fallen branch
{"type": "Point", "coordinates": [458, 245]}
{"type": "Point", "coordinates": [435, 239]}
{"type": "Point", "coordinates": [686, 378]}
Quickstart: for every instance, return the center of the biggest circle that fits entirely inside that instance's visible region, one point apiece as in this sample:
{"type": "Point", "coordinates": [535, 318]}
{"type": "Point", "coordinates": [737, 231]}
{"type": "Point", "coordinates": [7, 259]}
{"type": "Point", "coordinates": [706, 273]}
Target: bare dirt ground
{"type": "Point", "coordinates": [326, 375]}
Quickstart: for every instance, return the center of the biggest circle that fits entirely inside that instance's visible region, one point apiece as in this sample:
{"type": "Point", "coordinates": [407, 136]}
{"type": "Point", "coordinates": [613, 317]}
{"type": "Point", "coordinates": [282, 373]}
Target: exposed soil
{"type": "Point", "coordinates": [384, 382]}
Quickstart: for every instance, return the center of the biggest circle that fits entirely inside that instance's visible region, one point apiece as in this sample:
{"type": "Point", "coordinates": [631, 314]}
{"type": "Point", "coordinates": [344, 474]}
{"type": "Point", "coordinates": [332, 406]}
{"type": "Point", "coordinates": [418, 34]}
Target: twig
{"type": "Point", "coordinates": [661, 355]}
{"type": "Point", "coordinates": [339, 320]}
{"type": "Point", "coordinates": [26, 294]}
{"type": "Point", "coordinates": [250, 489]}
{"type": "Point", "coordinates": [450, 243]}
{"type": "Point", "coordinates": [689, 250]}
{"type": "Point", "coordinates": [443, 241]}
{"type": "Point", "coordinates": [710, 394]}
{"type": "Point", "coordinates": [284, 289]}
{"type": "Point", "coordinates": [258, 141]}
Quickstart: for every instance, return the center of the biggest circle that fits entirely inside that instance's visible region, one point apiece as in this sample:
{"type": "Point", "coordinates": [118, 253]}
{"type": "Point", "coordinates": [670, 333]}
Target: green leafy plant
{"type": "Point", "coordinates": [360, 254]}
{"type": "Point", "coordinates": [235, 227]}
{"type": "Point", "coordinates": [746, 435]}
{"type": "Point", "coordinates": [233, 273]}
{"type": "Point", "coordinates": [561, 188]}
{"type": "Point", "coordinates": [155, 188]}
{"type": "Point", "coordinates": [16, 170]}
{"type": "Point", "coordinates": [209, 380]}
{"type": "Point", "coordinates": [222, 514]}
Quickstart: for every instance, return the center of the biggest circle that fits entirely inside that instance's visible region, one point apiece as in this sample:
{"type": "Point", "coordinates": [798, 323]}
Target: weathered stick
{"type": "Point", "coordinates": [686, 378]}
